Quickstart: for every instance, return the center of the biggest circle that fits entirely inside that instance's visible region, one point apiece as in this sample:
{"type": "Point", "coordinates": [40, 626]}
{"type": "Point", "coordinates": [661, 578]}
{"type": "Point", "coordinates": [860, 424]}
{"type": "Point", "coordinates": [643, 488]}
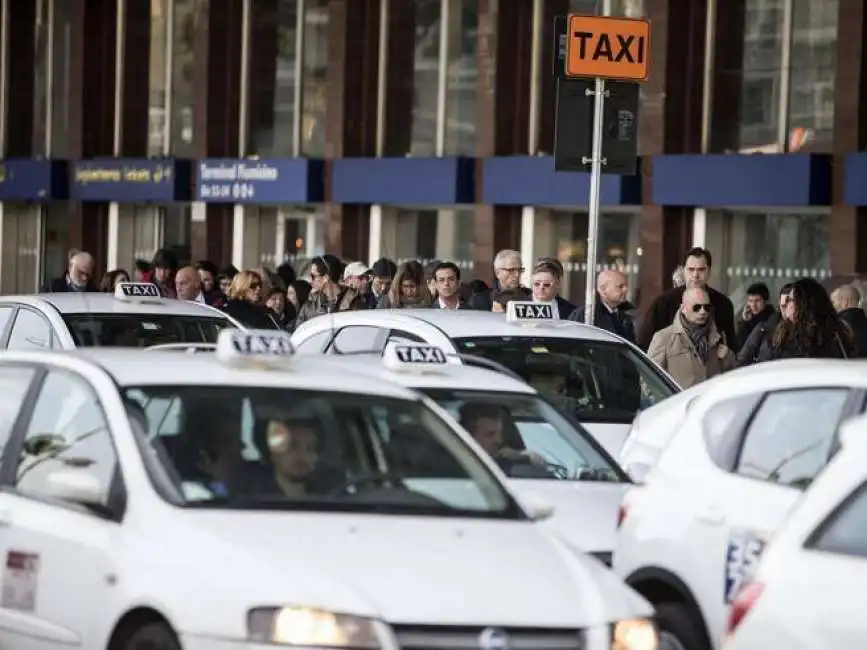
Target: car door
{"type": "Point", "coordinates": [767, 463]}
{"type": "Point", "coordinates": [58, 563]}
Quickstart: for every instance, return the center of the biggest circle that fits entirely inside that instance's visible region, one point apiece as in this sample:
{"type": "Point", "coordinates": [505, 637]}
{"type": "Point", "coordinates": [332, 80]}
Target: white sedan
{"type": "Point", "coordinates": [543, 452]}
{"type": "Point", "coordinates": [249, 499]}
{"type": "Point", "coordinates": [134, 316]}
{"type": "Point", "coordinates": [736, 462]}
{"type": "Point", "coordinates": [595, 375]}
{"type": "Point", "coordinates": [807, 593]}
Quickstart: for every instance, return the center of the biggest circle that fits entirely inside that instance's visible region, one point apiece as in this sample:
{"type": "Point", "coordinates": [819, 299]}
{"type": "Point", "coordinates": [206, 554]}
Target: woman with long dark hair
{"type": "Point", "coordinates": [810, 327]}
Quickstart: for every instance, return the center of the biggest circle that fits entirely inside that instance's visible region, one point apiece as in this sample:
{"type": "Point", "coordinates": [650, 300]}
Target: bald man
{"type": "Point", "coordinates": [188, 284]}
{"type": "Point", "coordinates": [78, 277]}
{"type": "Point", "coordinates": [612, 309]}
{"type": "Point", "coordinates": [847, 302]}
{"type": "Point", "coordinates": [691, 349]}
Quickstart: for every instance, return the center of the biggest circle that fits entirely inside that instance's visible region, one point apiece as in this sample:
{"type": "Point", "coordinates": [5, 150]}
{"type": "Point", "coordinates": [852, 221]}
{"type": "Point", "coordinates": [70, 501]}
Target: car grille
{"type": "Point", "coordinates": [426, 637]}
{"type": "Point", "coordinates": [603, 556]}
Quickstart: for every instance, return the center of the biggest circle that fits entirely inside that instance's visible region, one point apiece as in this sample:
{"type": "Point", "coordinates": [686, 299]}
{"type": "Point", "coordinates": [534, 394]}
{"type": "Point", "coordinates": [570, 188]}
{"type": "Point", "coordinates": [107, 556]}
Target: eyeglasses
{"type": "Point", "coordinates": [255, 285]}
{"type": "Point", "coordinates": [706, 307]}
{"type": "Point", "coordinates": [512, 270]}
{"type": "Point", "coordinates": [543, 285]}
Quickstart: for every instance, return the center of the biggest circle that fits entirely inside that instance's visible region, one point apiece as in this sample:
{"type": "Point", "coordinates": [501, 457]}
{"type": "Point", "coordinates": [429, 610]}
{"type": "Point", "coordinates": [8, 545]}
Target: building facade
{"type": "Point", "coordinates": [258, 131]}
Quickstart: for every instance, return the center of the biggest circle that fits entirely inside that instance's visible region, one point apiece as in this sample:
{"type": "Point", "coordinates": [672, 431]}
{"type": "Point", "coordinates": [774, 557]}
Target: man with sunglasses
{"type": "Point", "coordinates": [691, 349]}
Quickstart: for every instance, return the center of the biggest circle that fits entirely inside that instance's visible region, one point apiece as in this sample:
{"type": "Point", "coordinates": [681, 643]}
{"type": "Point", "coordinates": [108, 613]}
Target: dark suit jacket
{"type": "Point", "coordinates": [462, 304]}
{"type": "Point", "coordinates": [622, 325]}
{"type": "Point", "coordinates": [60, 285]}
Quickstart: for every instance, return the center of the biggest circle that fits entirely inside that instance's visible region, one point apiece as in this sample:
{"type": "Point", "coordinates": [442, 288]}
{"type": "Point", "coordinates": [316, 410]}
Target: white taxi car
{"type": "Point", "coordinates": [599, 377]}
{"type": "Point", "coordinates": [541, 450]}
{"type": "Point", "coordinates": [248, 499]}
{"type": "Point", "coordinates": [134, 316]}
{"type": "Point", "coordinates": [805, 593]}
{"type": "Point", "coordinates": [746, 449]}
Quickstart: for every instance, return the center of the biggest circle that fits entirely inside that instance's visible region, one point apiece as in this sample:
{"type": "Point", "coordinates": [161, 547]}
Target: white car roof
{"type": "Point", "coordinates": [106, 303]}
{"type": "Point", "coordinates": [133, 367]}
{"type": "Point", "coordinates": [463, 323]}
{"type": "Point", "coordinates": [453, 376]}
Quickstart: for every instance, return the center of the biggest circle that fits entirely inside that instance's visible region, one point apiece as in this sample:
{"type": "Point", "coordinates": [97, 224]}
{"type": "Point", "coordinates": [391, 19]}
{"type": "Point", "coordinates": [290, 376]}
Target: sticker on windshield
{"type": "Point", "coordinates": [20, 576]}
{"type": "Point", "coordinates": [150, 326]}
{"type": "Point", "coordinates": [538, 349]}
{"type": "Point", "coordinates": [742, 557]}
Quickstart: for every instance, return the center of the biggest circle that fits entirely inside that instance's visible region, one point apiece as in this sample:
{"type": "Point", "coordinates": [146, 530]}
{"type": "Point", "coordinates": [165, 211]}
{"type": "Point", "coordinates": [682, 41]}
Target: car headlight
{"type": "Point", "coordinates": [305, 626]}
{"type": "Point", "coordinates": [634, 634]}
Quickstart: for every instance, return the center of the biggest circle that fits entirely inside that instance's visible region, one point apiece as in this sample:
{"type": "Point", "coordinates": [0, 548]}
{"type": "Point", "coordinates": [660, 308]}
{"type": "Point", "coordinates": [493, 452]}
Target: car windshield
{"type": "Point", "coordinates": [527, 436]}
{"type": "Point", "coordinates": [274, 448]}
{"type": "Point", "coordinates": [142, 330]}
{"type": "Point", "coordinates": [596, 381]}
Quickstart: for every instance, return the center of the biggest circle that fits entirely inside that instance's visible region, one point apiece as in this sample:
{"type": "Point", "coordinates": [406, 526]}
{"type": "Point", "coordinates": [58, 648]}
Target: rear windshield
{"type": "Point", "coordinates": [142, 330]}
{"type": "Point", "coordinates": [596, 381]}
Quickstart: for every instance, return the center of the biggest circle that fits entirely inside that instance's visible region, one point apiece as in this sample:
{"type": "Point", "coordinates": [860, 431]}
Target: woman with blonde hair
{"type": "Point", "coordinates": [408, 289]}
{"type": "Point", "coordinates": [246, 301]}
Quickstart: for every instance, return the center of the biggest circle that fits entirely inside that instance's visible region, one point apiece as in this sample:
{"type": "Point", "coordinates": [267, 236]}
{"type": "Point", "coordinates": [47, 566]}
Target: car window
{"type": "Point", "coordinates": [790, 438]}
{"type": "Point", "coordinates": [356, 338]}
{"type": "Point", "coordinates": [723, 426]}
{"type": "Point", "coordinates": [142, 330]}
{"type": "Point", "coordinates": [67, 430]}
{"type": "Point", "coordinates": [5, 315]}
{"type": "Point", "coordinates": [845, 531]}
{"type": "Point", "coordinates": [314, 344]}
{"type": "Point", "coordinates": [400, 336]}
{"type": "Point", "coordinates": [14, 384]}
{"type": "Point", "coordinates": [596, 381]}
{"type": "Point", "coordinates": [30, 331]}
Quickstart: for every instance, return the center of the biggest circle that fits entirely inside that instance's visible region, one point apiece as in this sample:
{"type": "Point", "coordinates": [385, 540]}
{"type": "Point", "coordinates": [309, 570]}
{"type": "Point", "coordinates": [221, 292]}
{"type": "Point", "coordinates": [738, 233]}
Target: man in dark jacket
{"type": "Point", "coordinates": [507, 274]}
{"type": "Point", "coordinates": [847, 302]}
{"type": "Point", "coordinates": [78, 278]}
{"type": "Point", "coordinates": [611, 306]}
{"type": "Point", "coordinates": [756, 310]}
{"type": "Point", "coordinates": [757, 345]}
{"type": "Point", "coordinates": [666, 306]}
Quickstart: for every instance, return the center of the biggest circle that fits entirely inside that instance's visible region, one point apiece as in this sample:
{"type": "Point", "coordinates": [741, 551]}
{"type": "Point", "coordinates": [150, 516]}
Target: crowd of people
{"type": "Point", "coordinates": [691, 330]}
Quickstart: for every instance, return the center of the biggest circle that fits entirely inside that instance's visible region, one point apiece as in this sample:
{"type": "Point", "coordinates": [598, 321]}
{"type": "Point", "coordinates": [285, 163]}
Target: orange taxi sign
{"type": "Point", "coordinates": [608, 47]}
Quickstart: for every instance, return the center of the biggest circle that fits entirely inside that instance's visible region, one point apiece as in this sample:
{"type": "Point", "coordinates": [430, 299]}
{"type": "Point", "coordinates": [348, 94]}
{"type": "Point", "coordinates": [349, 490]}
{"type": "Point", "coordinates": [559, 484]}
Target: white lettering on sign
{"type": "Point", "coordinates": [138, 290]}
{"type": "Point", "coordinates": [419, 354]}
{"type": "Point", "coordinates": [534, 311]}
{"type": "Point", "coordinates": [258, 344]}
{"type": "Point", "coordinates": [238, 172]}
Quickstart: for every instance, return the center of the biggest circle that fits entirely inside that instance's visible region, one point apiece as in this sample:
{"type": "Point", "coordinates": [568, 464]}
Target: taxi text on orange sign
{"type": "Point", "coordinates": [608, 47]}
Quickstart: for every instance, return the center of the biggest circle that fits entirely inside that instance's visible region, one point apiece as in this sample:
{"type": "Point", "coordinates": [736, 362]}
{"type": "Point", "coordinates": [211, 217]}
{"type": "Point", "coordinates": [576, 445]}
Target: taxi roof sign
{"type": "Point", "coordinates": [235, 346]}
{"type": "Point", "coordinates": [608, 47]}
{"type": "Point", "coordinates": [141, 291]}
{"type": "Point", "coordinates": [525, 311]}
{"type": "Point", "coordinates": [406, 356]}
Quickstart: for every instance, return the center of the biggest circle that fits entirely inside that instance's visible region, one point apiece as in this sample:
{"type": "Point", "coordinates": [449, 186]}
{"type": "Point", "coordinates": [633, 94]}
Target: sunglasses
{"type": "Point", "coordinates": [706, 307]}
{"type": "Point", "coordinates": [255, 285]}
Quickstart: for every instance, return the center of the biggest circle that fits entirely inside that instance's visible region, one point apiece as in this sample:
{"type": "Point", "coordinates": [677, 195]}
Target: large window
{"type": "Point", "coordinates": [158, 79]}
{"type": "Point", "coordinates": [52, 42]}
{"type": "Point", "coordinates": [313, 76]}
{"type": "Point", "coordinates": [186, 15]}
{"type": "Point", "coordinates": [564, 234]}
{"type": "Point", "coordinates": [425, 76]}
{"type": "Point", "coordinates": [787, 76]}
{"type": "Point", "coordinates": [771, 248]}
{"type": "Point", "coordinates": [428, 235]}
{"type": "Point", "coordinates": [461, 74]}
{"type": "Point", "coordinates": [274, 80]}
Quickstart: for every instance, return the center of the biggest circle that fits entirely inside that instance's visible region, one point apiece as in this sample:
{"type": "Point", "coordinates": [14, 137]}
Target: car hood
{"type": "Point", "coordinates": [425, 570]}
{"type": "Point", "coordinates": [585, 513]}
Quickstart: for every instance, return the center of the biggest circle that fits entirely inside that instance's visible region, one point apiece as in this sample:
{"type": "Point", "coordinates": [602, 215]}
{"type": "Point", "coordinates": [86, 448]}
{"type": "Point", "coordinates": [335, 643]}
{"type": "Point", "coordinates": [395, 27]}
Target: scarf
{"type": "Point", "coordinates": [699, 336]}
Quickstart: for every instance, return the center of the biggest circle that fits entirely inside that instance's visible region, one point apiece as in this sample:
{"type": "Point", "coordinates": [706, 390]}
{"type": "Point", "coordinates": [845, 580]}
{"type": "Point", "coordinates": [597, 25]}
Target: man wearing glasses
{"type": "Point", "coordinates": [507, 270]}
{"type": "Point", "coordinates": [691, 349]}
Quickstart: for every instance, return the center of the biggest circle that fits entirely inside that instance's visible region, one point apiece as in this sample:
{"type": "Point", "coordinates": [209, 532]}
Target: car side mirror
{"type": "Point", "coordinates": [638, 472]}
{"type": "Point", "coordinates": [43, 443]}
{"type": "Point", "coordinates": [75, 485]}
{"type": "Point", "coordinates": [538, 508]}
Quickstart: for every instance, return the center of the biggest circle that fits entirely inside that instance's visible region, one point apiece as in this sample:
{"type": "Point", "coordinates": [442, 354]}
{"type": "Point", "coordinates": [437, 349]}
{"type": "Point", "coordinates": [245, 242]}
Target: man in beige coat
{"type": "Point", "coordinates": [691, 349]}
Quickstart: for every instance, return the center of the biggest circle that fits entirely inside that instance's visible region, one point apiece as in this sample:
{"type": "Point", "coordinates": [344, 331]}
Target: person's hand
{"type": "Point", "coordinates": [535, 458]}
{"type": "Point", "coordinates": [746, 313]}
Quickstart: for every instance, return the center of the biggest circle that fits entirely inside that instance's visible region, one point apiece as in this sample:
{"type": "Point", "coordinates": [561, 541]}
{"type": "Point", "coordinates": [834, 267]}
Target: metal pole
{"type": "Point", "coordinates": [596, 163]}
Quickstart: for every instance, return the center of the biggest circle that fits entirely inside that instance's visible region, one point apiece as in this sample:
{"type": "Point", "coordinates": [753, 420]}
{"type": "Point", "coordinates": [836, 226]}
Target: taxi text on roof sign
{"type": "Point", "coordinates": [608, 47]}
{"type": "Point", "coordinates": [127, 290]}
{"type": "Point", "coordinates": [531, 311]}
{"type": "Point", "coordinates": [419, 354]}
{"type": "Point", "coordinates": [262, 343]}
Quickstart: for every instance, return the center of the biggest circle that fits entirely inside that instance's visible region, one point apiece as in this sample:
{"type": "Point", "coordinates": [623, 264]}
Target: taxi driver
{"type": "Point", "coordinates": [294, 449]}
{"type": "Point", "coordinates": [484, 422]}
